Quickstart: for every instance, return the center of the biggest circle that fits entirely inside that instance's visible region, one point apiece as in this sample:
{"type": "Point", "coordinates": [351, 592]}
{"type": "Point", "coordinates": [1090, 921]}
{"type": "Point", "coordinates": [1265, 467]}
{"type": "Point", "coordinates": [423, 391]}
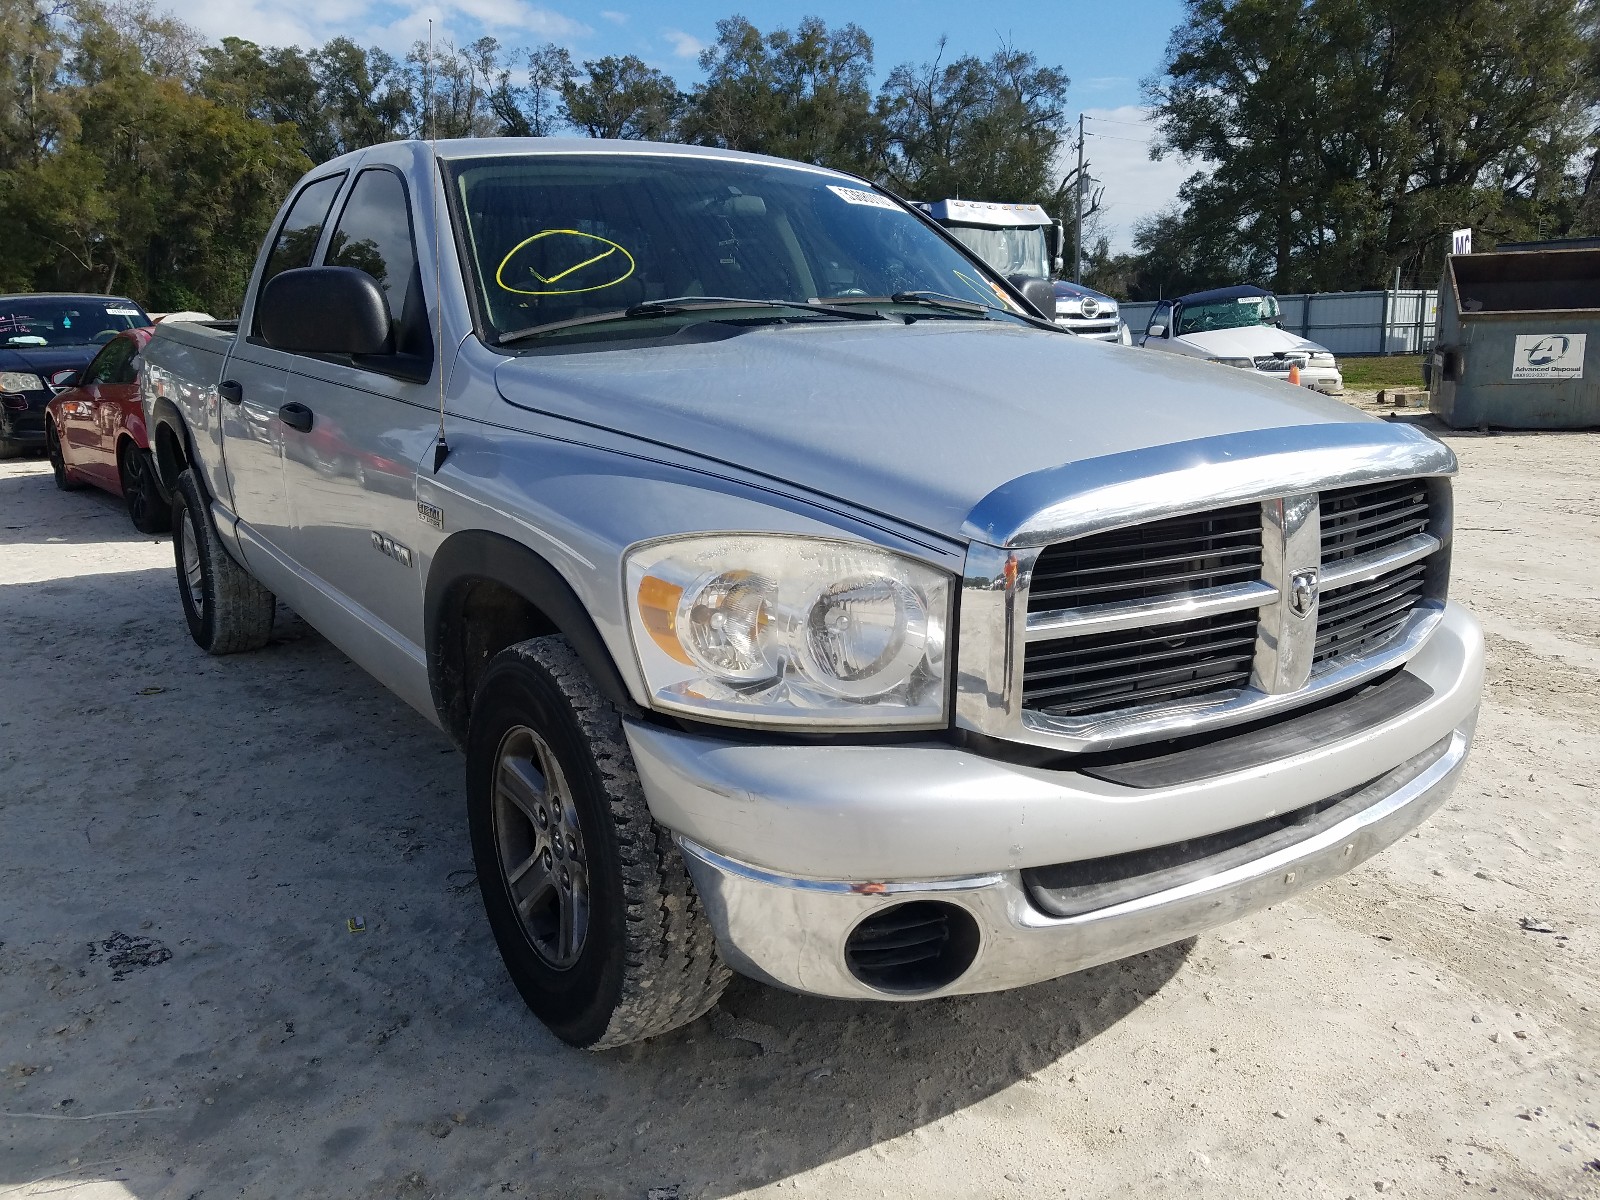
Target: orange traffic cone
{"type": "Point", "coordinates": [1294, 373]}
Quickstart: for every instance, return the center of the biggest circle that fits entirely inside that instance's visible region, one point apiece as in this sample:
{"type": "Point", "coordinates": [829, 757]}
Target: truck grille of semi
{"type": "Point", "coordinates": [1375, 542]}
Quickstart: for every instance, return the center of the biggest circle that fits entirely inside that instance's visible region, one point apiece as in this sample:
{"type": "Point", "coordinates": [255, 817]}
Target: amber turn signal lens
{"type": "Point", "coordinates": [658, 610]}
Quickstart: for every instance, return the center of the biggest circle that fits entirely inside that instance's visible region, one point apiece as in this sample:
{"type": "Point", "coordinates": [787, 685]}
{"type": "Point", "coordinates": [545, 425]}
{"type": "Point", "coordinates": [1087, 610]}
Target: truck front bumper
{"type": "Point", "coordinates": [799, 853]}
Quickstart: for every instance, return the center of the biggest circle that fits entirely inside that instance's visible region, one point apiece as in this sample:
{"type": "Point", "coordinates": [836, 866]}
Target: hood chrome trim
{"type": "Point", "coordinates": [1181, 477]}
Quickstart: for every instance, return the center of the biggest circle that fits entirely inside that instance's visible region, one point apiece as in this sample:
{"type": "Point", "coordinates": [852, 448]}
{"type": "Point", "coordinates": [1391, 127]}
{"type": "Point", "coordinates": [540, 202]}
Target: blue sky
{"type": "Point", "coordinates": [1106, 48]}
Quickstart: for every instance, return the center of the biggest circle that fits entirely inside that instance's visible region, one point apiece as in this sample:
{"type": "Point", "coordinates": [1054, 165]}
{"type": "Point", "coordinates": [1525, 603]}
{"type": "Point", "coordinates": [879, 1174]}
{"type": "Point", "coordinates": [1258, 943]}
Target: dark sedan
{"type": "Point", "coordinates": [45, 339]}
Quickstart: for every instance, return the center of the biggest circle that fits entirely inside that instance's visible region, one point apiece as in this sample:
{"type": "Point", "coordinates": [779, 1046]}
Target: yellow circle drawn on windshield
{"type": "Point", "coordinates": [608, 251]}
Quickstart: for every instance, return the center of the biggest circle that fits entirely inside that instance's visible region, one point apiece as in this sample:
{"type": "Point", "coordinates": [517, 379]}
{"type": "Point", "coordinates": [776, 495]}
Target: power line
{"type": "Point", "coordinates": [1111, 137]}
{"type": "Point", "coordinates": [1114, 121]}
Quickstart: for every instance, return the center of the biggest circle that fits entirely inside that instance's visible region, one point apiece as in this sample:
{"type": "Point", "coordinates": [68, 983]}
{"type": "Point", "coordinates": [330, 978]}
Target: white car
{"type": "Point", "coordinates": [1240, 326]}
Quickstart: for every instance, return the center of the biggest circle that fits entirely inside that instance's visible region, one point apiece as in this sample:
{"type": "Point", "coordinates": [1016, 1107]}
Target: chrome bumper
{"type": "Point", "coordinates": [792, 932]}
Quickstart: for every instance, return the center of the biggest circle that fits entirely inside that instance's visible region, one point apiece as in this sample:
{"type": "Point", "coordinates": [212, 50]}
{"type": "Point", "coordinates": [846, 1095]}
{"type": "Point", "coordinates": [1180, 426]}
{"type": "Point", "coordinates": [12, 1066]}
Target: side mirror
{"type": "Point", "coordinates": [1039, 294]}
{"type": "Point", "coordinates": [62, 380]}
{"type": "Point", "coordinates": [324, 310]}
{"type": "Point", "coordinates": [1156, 331]}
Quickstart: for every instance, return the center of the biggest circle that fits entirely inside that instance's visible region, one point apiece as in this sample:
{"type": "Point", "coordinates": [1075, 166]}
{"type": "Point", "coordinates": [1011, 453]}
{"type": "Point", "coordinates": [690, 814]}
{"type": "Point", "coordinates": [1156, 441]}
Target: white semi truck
{"type": "Point", "coordinates": [1024, 240]}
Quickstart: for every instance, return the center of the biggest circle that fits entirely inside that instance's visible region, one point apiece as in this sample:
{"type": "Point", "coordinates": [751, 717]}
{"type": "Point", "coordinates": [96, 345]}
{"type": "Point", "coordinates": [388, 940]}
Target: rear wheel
{"type": "Point", "coordinates": [226, 608]}
{"type": "Point", "coordinates": [594, 913]}
{"type": "Point", "coordinates": [58, 463]}
{"type": "Point", "coordinates": [10, 449]}
{"type": "Point", "coordinates": [147, 510]}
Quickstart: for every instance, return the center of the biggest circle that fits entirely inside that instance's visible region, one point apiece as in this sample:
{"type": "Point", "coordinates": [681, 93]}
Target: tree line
{"type": "Point", "coordinates": [136, 157]}
{"type": "Point", "coordinates": [1336, 142]}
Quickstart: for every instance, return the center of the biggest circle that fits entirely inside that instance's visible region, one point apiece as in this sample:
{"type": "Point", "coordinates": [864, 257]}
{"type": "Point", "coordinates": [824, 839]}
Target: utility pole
{"type": "Point", "coordinates": [1077, 225]}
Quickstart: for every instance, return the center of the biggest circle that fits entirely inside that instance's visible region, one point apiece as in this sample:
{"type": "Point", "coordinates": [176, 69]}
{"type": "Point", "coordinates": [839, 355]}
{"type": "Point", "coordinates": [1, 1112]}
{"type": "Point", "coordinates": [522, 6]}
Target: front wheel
{"type": "Point", "coordinates": [147, 510]}
{"type": "Point", "coordinates": [226, 608]}
{"type": "Point", "coordinates": [58, 461]}
{"type": "Point", "coordinates": [597, 921]}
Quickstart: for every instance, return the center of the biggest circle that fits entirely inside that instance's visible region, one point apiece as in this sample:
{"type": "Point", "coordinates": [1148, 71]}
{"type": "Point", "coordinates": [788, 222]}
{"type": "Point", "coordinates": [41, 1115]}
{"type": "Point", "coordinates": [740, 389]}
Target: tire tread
{"type": "Point", "coordinates": [674, 974]}
{"type": "Point", "coordinates": [241, 610]}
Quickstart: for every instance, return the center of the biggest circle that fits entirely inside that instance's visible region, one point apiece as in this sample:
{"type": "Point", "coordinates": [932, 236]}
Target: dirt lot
{"type": "Point", "coordinates": [184, 1011]}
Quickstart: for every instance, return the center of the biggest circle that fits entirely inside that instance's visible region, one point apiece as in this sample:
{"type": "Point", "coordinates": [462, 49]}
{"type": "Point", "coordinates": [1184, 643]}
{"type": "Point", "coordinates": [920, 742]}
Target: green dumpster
{"type": "Point", "coordinates": [1513, 346]}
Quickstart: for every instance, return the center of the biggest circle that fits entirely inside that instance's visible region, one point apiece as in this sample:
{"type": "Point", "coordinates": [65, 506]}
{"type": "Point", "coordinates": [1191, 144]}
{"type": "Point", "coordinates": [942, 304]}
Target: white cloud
{"type": "Point", "coordinates": [616, 18]}
{"type": "Point", "coordinates": [394, 26]}
{"type": "Point", "coordinates": [684, 45]}
{"type": "Point", "coordinates": [1118, 150]}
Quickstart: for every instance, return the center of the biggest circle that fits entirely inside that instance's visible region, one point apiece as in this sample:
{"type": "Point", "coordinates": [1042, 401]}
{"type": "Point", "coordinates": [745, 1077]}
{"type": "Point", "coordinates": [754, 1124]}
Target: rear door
{"type": "Point", "coordinates": [254, 382]}
{"type": "Point", "coordinates": [351, 479]}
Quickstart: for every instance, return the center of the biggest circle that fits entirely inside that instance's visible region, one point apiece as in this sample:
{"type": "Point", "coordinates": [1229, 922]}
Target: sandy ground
{"type": "Point", "coordinates": [184, 1012]}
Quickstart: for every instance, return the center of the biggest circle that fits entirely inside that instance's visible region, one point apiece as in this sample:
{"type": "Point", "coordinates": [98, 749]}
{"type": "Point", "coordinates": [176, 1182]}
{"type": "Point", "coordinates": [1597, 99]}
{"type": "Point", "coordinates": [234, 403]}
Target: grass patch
{"type": "Point", "coordinates": [1374, 374]}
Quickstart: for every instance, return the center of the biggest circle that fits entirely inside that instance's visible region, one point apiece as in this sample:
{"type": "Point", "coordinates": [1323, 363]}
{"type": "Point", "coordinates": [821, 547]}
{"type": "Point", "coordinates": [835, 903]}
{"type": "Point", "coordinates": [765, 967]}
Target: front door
{"type": "Point", "coordinates": [84, 436]}
{"type": "Point", "coordinates": [254, 381]}
{"type": "Point", "coordinates": [351, 478]}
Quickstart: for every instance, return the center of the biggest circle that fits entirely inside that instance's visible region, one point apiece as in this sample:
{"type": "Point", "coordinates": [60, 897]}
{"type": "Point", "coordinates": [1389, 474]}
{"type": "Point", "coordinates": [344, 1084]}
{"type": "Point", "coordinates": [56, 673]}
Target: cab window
{"type": "Point", "coordinates": [302, 228]}
{"type": "Point", "coordinates": [374, 235]}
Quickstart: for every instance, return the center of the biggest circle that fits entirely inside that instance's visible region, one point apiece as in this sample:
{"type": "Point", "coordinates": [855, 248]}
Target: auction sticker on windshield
{"type": "Point", "coordinates": [859, 196]}
{"type": "Point", "coordinates": [1548, 356]}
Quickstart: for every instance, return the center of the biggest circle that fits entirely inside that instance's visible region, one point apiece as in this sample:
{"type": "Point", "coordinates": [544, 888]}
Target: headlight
{"type": "Point", "coordinates": [763, 630]}
{"type": "Point", "coordinates": [1247, 364]}
{"type": "Point", "coordinates": [20, 381]}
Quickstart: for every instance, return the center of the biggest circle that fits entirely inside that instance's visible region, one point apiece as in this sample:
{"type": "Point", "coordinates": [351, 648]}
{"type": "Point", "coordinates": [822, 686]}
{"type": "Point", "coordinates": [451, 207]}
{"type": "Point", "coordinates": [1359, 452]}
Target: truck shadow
{"type": "Point", "coordinates": [178, 941]}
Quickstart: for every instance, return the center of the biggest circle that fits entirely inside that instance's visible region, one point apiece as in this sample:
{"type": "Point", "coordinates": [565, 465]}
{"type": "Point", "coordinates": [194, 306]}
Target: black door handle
{"type": "Point", "coordinates": [296, 416]}
{"type": "Point", "coordinates": [230, 391]}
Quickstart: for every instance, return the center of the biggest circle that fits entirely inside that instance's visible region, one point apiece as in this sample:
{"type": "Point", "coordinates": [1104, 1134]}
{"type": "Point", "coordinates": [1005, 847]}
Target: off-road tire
{"type": "Point", "coordinates": [58, 462]}
{"type": "Point", "coordinates": [649, 960]}
{"type": "Point", "coordinates": [226, 608]}
{"type": "Point", "coordinates": [147, 509]}
{"type": "Point", "coordinates": [10, 449]}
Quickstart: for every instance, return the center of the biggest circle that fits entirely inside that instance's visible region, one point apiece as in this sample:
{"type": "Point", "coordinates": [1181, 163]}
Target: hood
{"type": "Point", "coordinates": [41, 360]}
{"type": "Point", "coordinates": [1248, 341]}
{"type": "Point", "coordinates": [916, 422]}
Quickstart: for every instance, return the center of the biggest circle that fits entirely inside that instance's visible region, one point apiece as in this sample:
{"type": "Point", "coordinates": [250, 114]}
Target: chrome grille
{"type": "Point", "coordinates": [1279, 362]}
{"type": "Point", "coordinates": [1360, 519]}
{"type": "Point", "coordinates": [1073, 676]}
{"type": "Point", "coordinates": [1359, 614]}
{"type": "Point", "coordinates": [1163, 558]}
{"type": "Point", "coordinates": [1180, 609]}
{"type": "Point", "coordinates": [1141, 635]}
{"type": "Point", "coordinates": [1359, 619]}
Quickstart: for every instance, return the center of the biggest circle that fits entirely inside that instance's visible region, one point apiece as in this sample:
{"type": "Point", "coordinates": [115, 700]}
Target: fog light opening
{"type": "Point", "coordinates": [912, 948]}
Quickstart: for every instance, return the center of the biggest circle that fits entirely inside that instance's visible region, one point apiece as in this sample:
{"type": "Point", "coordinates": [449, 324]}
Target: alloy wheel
{"type": "Point", "coordinates": [134, 490]}
{"type": "Point", "coordinates": [540, 847]}
{"type": "Point", "coordinates": [189, 548]}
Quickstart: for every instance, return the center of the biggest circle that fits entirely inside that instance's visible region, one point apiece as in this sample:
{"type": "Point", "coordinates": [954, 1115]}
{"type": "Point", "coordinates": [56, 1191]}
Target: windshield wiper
{"type": "Point", "coordinates": [937, 300]}
{"type": "Point", "coordinates": [682, 304]}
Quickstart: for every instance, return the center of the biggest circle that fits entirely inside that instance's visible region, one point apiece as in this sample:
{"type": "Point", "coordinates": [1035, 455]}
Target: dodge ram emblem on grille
{"type": "Point", "coordinates": [1303, 593]}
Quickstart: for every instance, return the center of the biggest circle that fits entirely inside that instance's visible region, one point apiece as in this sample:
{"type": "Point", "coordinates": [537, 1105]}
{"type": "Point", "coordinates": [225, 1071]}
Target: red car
{"type": "Point", "coordinates": [94, 432]}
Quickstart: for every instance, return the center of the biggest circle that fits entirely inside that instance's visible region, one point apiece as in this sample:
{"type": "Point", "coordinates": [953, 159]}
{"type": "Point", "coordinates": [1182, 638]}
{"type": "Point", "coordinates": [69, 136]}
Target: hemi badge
{"type": "Point", "coordinates": [431, 514]}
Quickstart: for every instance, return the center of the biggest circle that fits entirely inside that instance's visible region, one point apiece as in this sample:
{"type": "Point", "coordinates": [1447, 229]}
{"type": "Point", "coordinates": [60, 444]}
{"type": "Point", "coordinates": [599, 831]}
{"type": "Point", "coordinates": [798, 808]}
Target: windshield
{"type": "Point", "coordinates": [1013, 251]}
{"type": "Point", "coordinates": [75, 321]}
{"type": "Point", "coordinates": [559, 237]}
{"type": "Point", "coordinates": [1228, 314]}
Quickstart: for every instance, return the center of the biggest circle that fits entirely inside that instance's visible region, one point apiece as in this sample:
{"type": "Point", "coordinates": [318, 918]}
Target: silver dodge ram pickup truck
{"type": "Point", "coordinates": [803, 602]}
